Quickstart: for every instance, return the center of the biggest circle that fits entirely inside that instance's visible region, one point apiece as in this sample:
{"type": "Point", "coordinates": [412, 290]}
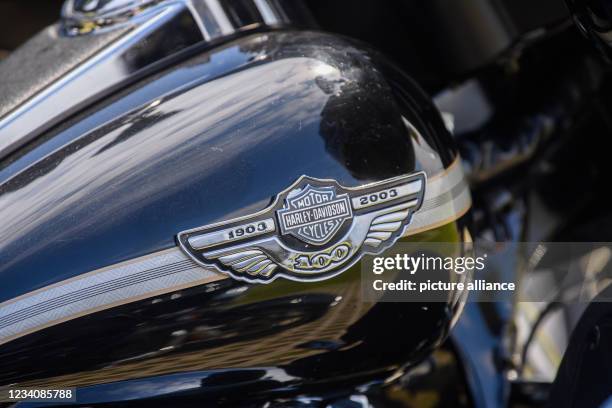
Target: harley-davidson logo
{"type": "Point", "coordinates": [315, 229]}
{"type": "Point", "coordinates": [314, 215]}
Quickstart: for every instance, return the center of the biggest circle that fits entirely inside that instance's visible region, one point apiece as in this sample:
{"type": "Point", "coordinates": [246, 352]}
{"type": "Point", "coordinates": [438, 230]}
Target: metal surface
{"type": "Point", "coordinates": [143, 42]}
{"type": "Point", "coordinates": [169, 144]}
{"type": "Point", "coordinates": [323, 229]}
{"type": "Point", "coordinates": [129, 281]}
{"type": "Point", "coordinates": [213, 138]}
{"type": "Point", "coordinates": [85, 16]}
{"type": "Point", "coordinates": [168, 270]}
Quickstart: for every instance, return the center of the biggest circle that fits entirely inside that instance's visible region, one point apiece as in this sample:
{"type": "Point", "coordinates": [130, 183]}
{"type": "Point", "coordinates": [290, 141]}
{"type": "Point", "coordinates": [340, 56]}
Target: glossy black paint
{"type": "Point", "coordinates": [87, 56]}
{"type": "Point", "coordinates": [216, 137]}
{"type": "Point", "coordinates": [138, 350]}
{"type": "Point", "coordinates": [157, 161]}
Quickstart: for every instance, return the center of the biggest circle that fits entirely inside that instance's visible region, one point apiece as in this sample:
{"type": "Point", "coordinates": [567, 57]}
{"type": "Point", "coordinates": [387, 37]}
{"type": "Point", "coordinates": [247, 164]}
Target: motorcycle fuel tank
{"type": "Point", "coordinates": [199, 230]}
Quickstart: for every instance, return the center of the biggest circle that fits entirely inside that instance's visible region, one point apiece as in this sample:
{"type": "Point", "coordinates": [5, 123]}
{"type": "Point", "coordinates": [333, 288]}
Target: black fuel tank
{"type": "Point", "coordinates": [96, 293]}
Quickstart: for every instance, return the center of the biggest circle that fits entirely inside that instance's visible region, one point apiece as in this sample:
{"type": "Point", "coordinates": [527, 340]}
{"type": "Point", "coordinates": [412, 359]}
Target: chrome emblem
{"type": "Point", "coordinates": [313, 230]}
{"type": "Point", "coordinates": [314, 214]}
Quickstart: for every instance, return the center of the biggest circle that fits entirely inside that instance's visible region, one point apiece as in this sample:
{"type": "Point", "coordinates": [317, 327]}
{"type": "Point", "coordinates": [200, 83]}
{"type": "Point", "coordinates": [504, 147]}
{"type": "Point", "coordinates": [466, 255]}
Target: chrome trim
{"type": "Point", "coordinates": [98, 76]}
{"type": "Point", "coordinates": [294, 255]}
{"type": "Point", "coordinates": [446, 199]}
{"type": "Point", "coordinates": [86, 16]}
{"type": "Point", "coordinates": [158, 273]}
{"type": "Point", "coordinates": [225, 26]}
{"type": "Point", "coordinates": [109, 69]}
{"type": "Point", "coordinates": [267, 13]}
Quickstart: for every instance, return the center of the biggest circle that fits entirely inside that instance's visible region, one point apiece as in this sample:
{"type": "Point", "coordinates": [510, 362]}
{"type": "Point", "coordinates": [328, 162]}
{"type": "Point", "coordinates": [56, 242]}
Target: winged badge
{"type": "Point", "coordinates": [313, 230]}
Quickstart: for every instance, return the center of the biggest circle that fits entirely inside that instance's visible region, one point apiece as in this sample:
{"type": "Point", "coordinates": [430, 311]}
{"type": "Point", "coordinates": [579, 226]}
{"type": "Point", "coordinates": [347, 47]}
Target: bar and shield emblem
{"type": "Point", "coordinates": [312, 230]}
{"type": "Point", "coordinates": [314, 214]}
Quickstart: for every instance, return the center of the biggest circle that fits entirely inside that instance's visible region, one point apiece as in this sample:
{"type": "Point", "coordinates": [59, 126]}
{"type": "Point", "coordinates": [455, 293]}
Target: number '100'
{"type": "Point", "coordinates": [323, 259]}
